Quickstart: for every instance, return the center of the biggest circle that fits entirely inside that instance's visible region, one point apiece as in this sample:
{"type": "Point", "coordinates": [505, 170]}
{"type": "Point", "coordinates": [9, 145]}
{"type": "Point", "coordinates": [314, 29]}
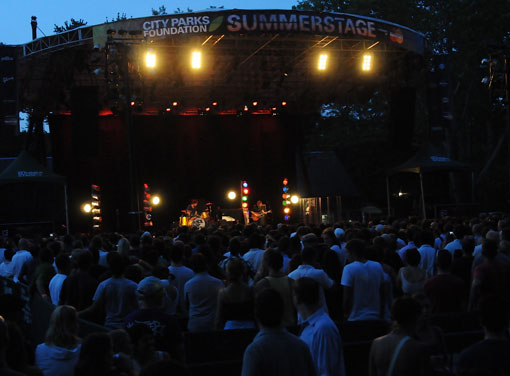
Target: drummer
{"type": "Point", "coordinates": [191, 209]}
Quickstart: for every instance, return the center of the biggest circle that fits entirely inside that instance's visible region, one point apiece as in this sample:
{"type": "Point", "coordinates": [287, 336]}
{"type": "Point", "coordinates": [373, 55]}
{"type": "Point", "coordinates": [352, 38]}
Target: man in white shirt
{"type": "Point", "coordinates": [63, 264]}
{"type": "Point", "coordinates": [319, 332]}
{"type": "Point", "coordinates": [21, 257]}
{"type": "Point", "coordinates": [182, 273]}
{"type": "Point", "coordinates": [254, 256]}
{"type": "Point", "coordinates": [427, 252]}
{"type": "Point", "coordinates": [363, 282]}
{"type": "Point", "coordinates": [306, 269]}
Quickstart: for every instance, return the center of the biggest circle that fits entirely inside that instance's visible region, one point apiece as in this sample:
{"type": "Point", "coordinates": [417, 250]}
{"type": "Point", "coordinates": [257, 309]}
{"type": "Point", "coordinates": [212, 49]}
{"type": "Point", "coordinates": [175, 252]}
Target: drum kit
{"type": "Point", "coordinates": [196, 222]}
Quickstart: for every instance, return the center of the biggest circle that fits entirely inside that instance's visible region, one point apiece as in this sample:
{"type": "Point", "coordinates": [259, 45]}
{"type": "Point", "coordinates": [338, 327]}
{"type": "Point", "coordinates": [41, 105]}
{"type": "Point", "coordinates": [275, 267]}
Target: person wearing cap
{"type": "Point", "coordinates": [151, 294]}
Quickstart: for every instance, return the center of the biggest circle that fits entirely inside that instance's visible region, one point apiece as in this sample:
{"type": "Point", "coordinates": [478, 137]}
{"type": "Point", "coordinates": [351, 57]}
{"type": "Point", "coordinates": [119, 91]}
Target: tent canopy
{"type": "Point", "coordinates": [429, 159]}
{"type": "Point", "coordinates": [26, 168]}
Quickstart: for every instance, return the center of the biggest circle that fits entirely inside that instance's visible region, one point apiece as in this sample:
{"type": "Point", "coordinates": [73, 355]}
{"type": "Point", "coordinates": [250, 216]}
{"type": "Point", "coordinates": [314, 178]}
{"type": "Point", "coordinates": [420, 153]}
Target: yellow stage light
{"type": "Point", "coordinates": [232, 195]}
{"type": "Point", "coordinates": [196, 60]}
{"type": "Point", "coordinates": [286, 210]}
{"type": "Point", "coordinates": [367, 63]}
{"type": "Point", "coordinates": [323, 59]}
{"type": "Point", "coordinates": [155, 200]}
{"type": "Point", "coordinates": [86, 208]}
{"type": "Point", "coordinates": [150, 59]}
{"type": "Point", "coordinates": [294, 199]}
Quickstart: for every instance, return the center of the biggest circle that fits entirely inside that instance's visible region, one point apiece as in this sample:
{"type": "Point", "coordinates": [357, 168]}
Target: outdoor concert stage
{"type": "Point", "coordinates": [196, 132]}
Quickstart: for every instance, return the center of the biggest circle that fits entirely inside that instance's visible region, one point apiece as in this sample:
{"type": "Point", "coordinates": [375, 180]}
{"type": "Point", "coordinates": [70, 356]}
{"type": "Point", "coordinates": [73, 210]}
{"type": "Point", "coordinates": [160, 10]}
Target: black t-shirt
{"type": "Point", "coordinates": [487, 357]}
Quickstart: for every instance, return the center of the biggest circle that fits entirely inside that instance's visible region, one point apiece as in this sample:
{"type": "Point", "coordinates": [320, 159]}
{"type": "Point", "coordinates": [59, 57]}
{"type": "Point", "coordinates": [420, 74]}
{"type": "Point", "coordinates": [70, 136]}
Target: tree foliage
{"type": "Point", "coordinates": [69, 25]}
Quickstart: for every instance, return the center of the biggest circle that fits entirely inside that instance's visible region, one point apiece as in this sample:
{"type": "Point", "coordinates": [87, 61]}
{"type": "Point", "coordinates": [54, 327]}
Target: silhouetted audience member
{"type": "Point", "coordinates": [399, 353]}
{"type": "Point", "coordinates": [274, 351]}
{"type": "Point", "coordinates": [79, 287]}
{"type": "Point", "coordinates": [96, 356]}
{"type": "Point", "coordinates": [63, 264]}
{"type": "Point", "coordinates": [5, 370]}
{"type": "Point", "coordinates": [201, 296]}
{"type": "Point", "coordinates": [319, 332]}
{"type": "Point", "coordinates": [491, 277]}
{"type": "Point", "coordinates": [491, 356]}
{"type": "Point", "coordinates": [411, 278]}
{"type": "Point", "coordinates": [446, 292]}
{"type": "Point", "coordinates": [363, 282]}
{"type": "Point", "coordinates": [58, 355]}
{"type": "Point", "coordinates": [235, 301]}
{"type": "Point", "coordinates": [116, 296]}
{"type": "Point", "coordinates": [144, 351]}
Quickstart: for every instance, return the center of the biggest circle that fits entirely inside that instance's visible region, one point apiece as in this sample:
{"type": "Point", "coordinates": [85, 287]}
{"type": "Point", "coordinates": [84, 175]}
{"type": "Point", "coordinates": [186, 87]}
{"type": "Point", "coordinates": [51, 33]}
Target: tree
{"type": "Point", "coordinates": [73, 24]}
{"type": "Point", "coordinates": [160, 11]}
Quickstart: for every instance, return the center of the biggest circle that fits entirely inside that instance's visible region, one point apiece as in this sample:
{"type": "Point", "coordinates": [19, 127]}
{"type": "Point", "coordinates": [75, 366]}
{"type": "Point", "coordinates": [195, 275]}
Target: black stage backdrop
{"type": "Point", "coordinates": [180, 157]}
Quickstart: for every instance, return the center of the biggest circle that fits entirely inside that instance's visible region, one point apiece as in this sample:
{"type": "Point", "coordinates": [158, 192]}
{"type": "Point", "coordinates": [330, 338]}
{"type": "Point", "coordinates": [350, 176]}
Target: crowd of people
{"type": "Point", "coordinates": [148, 289]}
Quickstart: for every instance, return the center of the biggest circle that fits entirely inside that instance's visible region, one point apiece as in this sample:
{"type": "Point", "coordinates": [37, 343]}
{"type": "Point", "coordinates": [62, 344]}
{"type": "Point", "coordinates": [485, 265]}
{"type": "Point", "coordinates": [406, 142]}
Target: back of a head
{"type": "Point", "coordinates": [307, 291]}
{"type": "Point", "coordinates": [123, 247]}
{"type": "Point", "coordinates": [468, 245]}
{"type": "Point", "coordinates": [151, 291]}
{"type": "Point", "coordinates": [63, 327]}
{"type": "Point", "coordinates": [406, 311]}
{"type": "Point", "coordinates": [234, 246]}
{"type": "Point", "coordinates": [8, 254]}
{"type": "Point", "coordinates": [412, 257]}
{"type": "Point", "coordinates": [308, 255]}
{"type": "Point", "coordinates": [444, 260]}
{"type": "Point", "coordinates": [95, 355]}
{"type": "Point", "coordinates": [84, 260]}
{"type": "Point", "coordinates": [356, 247]}
{"type": "Point", "coordinates": [255, 241]}
{"type": "Point", "coordinates": [269, 308]}
{"type": "Point", "coordinates": [235, 269]}
{"type": "Point", "coordinates": [45, 255]}
{"type": "Point", "coordinates": [24, 244]}
{"type": "Point", "coordinates": [198, 263]}
{"type": "Point", "coordinates": [273, 259]}
{"type": "Point", "coordinates": [490, 249]}
{"type": "Point", "coordinates": [425, 237]}
{"type": "Point", "coordinates": [63, 262]}
{"type": "Point", "coordinates": [116, 263]}
{"type": "Point", "coordinates": [177, 252]}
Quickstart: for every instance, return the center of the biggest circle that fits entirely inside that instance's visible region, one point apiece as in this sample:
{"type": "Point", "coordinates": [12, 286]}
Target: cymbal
{"type": "Point", "coordinates": [209, 203]}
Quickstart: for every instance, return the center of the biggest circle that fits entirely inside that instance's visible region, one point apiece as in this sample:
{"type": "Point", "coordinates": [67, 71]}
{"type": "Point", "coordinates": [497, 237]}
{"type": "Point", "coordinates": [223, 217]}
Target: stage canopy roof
{"type": "Point", "coordinates": [260, 59]}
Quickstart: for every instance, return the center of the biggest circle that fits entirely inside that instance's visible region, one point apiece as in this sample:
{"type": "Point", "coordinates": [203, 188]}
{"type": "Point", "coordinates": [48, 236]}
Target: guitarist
{"type": "Point", "coordinates": [259, 213]}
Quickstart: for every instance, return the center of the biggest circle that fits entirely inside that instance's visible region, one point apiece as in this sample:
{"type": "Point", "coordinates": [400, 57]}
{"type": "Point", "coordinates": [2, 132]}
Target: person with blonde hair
{"type": "Point", "coordinates": [60, 352]}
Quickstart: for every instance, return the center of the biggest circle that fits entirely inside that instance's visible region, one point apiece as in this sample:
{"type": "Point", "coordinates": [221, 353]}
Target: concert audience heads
{"type": "Point", "coordinates": [198, 263]}
{"type": "Point", "coordinates": [96, 356]}
{"type": "Point", "coordinates": [273, 259]}
{"type": "Point", "coordinates": [269, 308]}
{"type": "Point", "coordinates": [355, 249]}
{"type": "Point", "coordinates": [307, 292]}
{"type": "Point", "coordinates": [425, 237]}
{"type": "Point", "coordinates": [150, 293]}
{"type": "Point", "coordinates": [308, 256]}
{"type": "Point", "coordinates": [234, 246]}
{"type": "Point", "coordinates": [116, 263]}
{"type": "Point", "coordinates": [309, 240]}
{"type": "Point", "coordinates": [412, 257]}
{"type": "Point", "coordinates": [235, 270]}
{"type": "Point", "coordinates": [63, 328]}
{"type": "Point", "coordinates": [123, 247]}
{"type": "Point", "coordinates": [63, 263]}
{"type": "Point", "coordinates": [444, 260]}
{"type": "Point", "coordinates": [177, 253]}
{"type": "Point", "coordinates": [406, 311]}
{"type": "Point", "coordinates": [255, 241]}
{"type": "Point", "coordinates": [24, 244]}
{"type": "Point", "coordinates": [468, 245]}
{"type": "Point", "coordinates": [490, 249]}
{"type": "Point", "coordinates": [83, 260]}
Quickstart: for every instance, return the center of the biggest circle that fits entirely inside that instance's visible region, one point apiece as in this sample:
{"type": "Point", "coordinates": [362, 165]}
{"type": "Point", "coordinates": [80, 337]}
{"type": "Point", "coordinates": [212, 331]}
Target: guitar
{"type": "Point", "coordinates": [257, 216]}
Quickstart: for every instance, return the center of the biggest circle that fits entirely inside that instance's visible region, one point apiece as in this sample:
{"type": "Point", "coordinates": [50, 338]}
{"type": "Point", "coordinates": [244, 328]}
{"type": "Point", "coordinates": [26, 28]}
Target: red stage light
{"type": "Point", "coordinates": [246, 191]}
{"type": "Point", "coordinates": [132, 103]}
{"type": "Point", "coordinates": [214, 103]}
{"type": "Point", "coordinates": [285, 181]}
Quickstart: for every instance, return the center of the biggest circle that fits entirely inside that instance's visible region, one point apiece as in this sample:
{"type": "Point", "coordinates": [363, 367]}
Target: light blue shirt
{"type": "Point", "coordinates": [119, 299]}
{"type": "Point", "coordinates": [254, 258]}
{"type": "Point", "coordinates": [427, 259]}
{"type": "Point", "coordinates": [402, 251]}
{"type": "Point", "coordinates": [323, 339]}
{"type": "Point", "coordinates": [276, 352]}
{"type": "Point", "coordinates": [201, 295]}
{"type": "Point", "coordinates": [452, 246]}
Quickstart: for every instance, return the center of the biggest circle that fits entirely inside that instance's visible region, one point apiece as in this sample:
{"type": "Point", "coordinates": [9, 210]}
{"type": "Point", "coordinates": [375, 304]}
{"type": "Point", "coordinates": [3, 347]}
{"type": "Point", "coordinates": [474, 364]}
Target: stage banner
{"type": "Point", "coordinates": [342, 25]}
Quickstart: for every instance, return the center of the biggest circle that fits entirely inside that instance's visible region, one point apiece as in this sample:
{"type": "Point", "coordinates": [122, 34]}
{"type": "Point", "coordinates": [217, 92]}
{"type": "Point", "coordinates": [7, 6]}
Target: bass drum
{"type": "Point", "coordinates": [198, 223]}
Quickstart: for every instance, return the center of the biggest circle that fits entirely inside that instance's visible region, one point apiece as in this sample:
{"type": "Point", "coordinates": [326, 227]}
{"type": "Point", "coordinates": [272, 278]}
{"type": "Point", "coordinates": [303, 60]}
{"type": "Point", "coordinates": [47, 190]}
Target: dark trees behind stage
{"type": "Point", "coordinates": [180, 157]}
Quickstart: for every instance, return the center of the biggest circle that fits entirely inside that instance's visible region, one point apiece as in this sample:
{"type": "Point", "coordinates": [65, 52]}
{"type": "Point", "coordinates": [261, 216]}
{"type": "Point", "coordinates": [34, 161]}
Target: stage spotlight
{"type": "Point", "coordinates": [196, 60]}
{"type": "Point", "coordinates": [155, 200]}
{"type": "Point", "coordinates": [323, 59]}
{"type": "Point", "coordinates": [150, 59]}
{"type": "Point", "coordinates": [232, 195]}
{"type": "Point", "coordinates": [286, 210]}
{"type": "Point", "coordinates": [245, 108]}
{"type": "Point", "coordinates": [214, 104]}
{"type": "Point", "coordinates": [175, 104]}
{"type": "Point", "coordinates": [255, 103]}
{"type": "Point", "coordinates": [367, 63]}
{"type": "Point", "coordinates": [284, 103]}
{"type": "Point", "coordinates": [86, 208]}
{"type": "Point", "coordinates": [294, 199]}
